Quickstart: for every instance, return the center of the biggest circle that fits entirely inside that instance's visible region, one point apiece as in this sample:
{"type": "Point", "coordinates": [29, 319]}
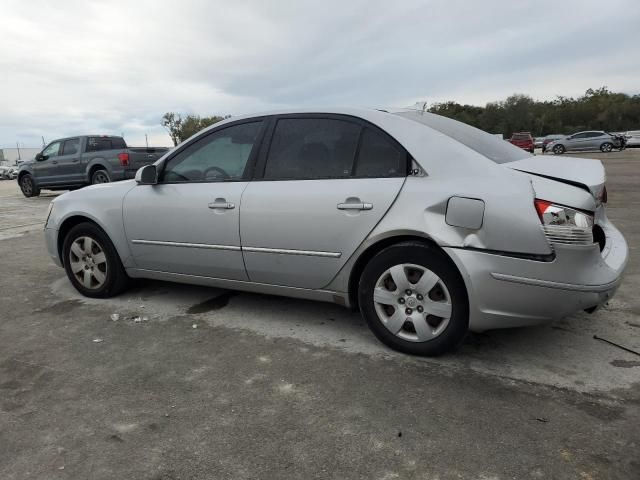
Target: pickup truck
{"type": "Point", "coordinates": [70, 163]}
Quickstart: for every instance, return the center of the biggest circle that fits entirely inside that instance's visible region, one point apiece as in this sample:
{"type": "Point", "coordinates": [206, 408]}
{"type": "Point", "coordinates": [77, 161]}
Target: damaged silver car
{"type": "Point", "coordinates": [428, 226]}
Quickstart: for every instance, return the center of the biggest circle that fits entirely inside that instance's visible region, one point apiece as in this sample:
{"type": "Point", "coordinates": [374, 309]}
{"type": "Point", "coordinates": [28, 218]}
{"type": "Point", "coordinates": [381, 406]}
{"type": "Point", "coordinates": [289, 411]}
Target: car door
{"type": "Point", "coordinates": [579, 141]}
{"type": "Point", "coordinates": [188, 223]}
{"type": "Point", "coordinates": [324, 182]}
{"type": "Point", "coordinates": [44, 170]}
{"type": "Point", "coordinates": [596, 139]}
{"type": "Point", "coordinates": [68, 169]}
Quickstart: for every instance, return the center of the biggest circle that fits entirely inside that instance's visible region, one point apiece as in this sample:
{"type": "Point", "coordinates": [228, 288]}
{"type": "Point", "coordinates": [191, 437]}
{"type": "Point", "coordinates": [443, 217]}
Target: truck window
{"type": "Point", "coordinates": [97, 144]}
{"type": "Point", "coordinates": [70, 147]}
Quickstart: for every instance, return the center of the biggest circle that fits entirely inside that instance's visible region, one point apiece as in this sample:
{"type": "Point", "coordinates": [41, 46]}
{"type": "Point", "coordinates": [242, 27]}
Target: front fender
{"type": "Point", "coordinates": [101, 204]}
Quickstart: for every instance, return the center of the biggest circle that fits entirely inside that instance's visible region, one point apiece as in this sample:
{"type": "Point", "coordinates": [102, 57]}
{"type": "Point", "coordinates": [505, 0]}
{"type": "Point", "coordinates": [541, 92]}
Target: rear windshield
{"type": "Point", "coordinates": [521, 136]}
{"type": "Point", "coordinates": [486, 144]}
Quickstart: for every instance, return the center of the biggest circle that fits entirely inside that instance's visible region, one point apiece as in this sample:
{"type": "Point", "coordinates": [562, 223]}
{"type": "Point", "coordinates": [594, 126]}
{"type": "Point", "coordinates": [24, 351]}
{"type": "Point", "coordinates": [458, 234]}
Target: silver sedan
{"type": "Point", "coordinates": [428, 226]}
{"type": "Point", "coordinates": [592, 140]}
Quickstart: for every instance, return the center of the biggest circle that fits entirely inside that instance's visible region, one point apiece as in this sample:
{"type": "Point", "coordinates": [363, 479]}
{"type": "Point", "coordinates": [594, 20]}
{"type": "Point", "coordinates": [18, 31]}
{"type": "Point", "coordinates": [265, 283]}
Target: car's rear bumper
{"type": "Point", "coordinates": [51, 239]}
{"type": "Point", "coordinates": [510, 292]}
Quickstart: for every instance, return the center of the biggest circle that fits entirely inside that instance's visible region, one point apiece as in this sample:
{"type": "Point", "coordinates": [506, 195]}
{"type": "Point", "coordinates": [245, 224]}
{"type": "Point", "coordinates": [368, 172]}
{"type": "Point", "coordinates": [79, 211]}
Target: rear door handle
{"type": "Point", "coordinates": [355, 206]}
{"type": "Point", "coordinates": [54, 162]}
{"type": "Point", "coordinates": [222, 204]}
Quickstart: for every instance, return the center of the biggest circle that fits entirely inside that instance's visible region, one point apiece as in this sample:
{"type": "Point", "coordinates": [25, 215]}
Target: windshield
{"type": "Point", "coordinates": [486, 144]}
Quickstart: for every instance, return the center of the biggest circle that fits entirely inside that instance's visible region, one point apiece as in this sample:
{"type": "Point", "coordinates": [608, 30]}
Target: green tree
{"type": "Point", "coordinates": [182, 128]}
{"type": "Point", "coordinates": [597, 109]}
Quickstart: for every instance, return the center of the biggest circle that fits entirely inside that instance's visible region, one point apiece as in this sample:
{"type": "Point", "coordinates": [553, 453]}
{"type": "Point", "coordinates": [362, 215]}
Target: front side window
{"type": "Point", "coordinates": [52, 150]}
{"type": "Point", "coordinates": [312, 148]}
{"type": "Point", "coordinates": [71, 147]}
{"type": "Point", "coordinates": [578, 136]}
{"type": "Point", "coordinates": [220, 156]}
{"type": "Point", "coordinates": [378, 157]}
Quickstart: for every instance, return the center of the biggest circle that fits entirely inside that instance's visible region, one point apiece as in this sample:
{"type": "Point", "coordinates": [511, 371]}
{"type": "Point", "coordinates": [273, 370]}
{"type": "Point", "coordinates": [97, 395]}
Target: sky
{"type": "Point", "coordinates": [115, 67]}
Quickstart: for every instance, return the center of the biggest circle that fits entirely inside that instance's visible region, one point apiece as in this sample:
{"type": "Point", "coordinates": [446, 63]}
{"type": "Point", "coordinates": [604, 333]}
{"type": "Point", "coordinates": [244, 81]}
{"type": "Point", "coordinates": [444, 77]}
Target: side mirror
{"type": "Point", "coordinates": [147, 175]}
{"type": "Point", "coordinates": [40, 157]}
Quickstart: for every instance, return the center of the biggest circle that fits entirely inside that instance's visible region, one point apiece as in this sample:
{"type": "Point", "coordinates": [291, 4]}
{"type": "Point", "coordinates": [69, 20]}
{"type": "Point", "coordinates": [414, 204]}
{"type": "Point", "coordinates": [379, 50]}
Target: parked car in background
{"type": "Point", "coordinates": [74, 162]}
{"type": "Point", "coordinates": [523, 140]}
{"type": "Point", "coordinates": [633, 138]}
{"type": "Point", "coordinates": [590, 140]}
{"type": "Point", "coordinates": [8, 173]}
{"type": "Point", "coordinates": [429, 226]}
{"type": "Point", "coordinates": [548, 139]}
{"type": "Point", "coordinates": [537, 142]}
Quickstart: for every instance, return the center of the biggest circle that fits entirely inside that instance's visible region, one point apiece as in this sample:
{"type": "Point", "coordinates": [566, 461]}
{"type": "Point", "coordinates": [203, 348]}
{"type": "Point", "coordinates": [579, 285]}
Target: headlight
{"type": "Point", "coordinates": [565, 225]}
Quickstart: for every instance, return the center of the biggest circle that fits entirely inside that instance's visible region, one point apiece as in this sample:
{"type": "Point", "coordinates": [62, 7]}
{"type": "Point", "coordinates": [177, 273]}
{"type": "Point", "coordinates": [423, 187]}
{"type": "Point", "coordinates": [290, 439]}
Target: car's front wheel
{"type": "Point", "coordinates": [92, 262]}
{"type": "Point", "coordinates": [414, 299]}
{"type": "Point", "coordinates": [28, 186]}
{"type": "Point", "coordinates": [606, 147]}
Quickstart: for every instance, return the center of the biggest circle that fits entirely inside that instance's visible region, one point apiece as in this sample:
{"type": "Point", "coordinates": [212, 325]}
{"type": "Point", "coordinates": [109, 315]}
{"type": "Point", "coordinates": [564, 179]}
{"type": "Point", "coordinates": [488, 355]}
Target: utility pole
{"type": "Point", "coordinates": [43, 142]}
{"type": "Point", "coordinates": [146, 140]}
{"type": "Point", "coordinates": [18, 145]}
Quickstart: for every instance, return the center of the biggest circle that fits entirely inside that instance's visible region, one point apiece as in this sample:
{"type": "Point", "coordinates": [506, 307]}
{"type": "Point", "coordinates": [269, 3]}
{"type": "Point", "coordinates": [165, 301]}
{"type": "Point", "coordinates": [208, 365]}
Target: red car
{"type": "Point", "coordinates": [523, 140]}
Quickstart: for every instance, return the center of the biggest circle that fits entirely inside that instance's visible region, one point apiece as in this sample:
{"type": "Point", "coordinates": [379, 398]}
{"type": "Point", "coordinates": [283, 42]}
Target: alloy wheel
{"type": "Point", "coordinates": [27, 187]}
{"type": "Point", "coordinates": [100, 177]}
{"type": "Point", "coordinates": [88, 262]}
{"type": "Point", "coordinates": [412, 302]}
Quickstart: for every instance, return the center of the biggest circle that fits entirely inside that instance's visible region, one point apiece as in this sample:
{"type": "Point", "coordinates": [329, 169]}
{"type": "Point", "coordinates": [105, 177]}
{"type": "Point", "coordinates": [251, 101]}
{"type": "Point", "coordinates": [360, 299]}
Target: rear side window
{"type": "Point", "coordinates": [97, 144]}
{"type": "Point", "coordinates": [71, 147]}
{"type": "Point", "coordinates": [595, 134]}
{"type": "Point", "coordinates": [378, 157]}
{"type": "Point", "coordinates": [312, 148]}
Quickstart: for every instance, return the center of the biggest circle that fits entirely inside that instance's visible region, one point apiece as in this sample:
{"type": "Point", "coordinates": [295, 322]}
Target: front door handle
{"type": "Point", "coordinates": [221, 203]}
{"type": "Point", "coordinates": [355, 206]}
{"type": "Point", "coordinates": [54, 162]}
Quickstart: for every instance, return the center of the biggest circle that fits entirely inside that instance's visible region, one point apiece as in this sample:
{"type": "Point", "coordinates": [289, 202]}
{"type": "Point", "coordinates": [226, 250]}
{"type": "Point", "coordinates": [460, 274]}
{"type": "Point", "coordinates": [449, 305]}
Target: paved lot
{"type": "Point", "coordinates": [269, 387]}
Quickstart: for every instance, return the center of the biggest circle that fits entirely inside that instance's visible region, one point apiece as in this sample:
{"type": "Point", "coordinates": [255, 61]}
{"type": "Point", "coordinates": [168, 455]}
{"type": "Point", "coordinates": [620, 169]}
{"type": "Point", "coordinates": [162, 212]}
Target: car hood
{"type": "Point", "coordinates": [585, 173]}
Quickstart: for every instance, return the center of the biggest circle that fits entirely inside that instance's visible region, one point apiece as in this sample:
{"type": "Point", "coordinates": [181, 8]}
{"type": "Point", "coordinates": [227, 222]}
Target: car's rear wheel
{"type": "Point", "coordinates": [92, 263]}
{"type": "Point", "coordinates": [559, 149]}
{"type": "Point", "coordinates": [606, 147]}
{"type": "Point", "coordinates": [28, 186]}
{"type": "Point", "coordinates": [100, 176]}
{"type": "Point", "coordinates": [414, 299]}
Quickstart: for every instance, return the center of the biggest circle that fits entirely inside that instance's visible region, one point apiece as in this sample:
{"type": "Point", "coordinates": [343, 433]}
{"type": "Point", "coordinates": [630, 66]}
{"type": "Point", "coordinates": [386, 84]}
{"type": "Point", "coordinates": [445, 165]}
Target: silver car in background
{"type": "Point", "coordinates": [428, 226]}
{"type": "Point", "coordinates": [581, 141]}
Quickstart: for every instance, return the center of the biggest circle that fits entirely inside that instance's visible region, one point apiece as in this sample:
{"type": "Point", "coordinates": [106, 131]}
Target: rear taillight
{"type": "Point", "coordinates": [124, 159]}
{"type": "Point", "coordinates": [563, 224]}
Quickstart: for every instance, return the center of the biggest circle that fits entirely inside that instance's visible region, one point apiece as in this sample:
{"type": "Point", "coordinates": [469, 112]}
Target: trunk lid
{"type": "Point", "coordinates": [585, 173]}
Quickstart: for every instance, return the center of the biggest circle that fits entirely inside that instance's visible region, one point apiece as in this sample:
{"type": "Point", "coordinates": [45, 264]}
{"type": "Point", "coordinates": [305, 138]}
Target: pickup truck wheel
{"type": "Point", "coordinates": [100, 176]}
{"type": "Point", "coordinates": [414, 299]}
{"type": "Point", "coordinates": [28, 186]}
{"type": "Point", "coordinates": [92, 263]}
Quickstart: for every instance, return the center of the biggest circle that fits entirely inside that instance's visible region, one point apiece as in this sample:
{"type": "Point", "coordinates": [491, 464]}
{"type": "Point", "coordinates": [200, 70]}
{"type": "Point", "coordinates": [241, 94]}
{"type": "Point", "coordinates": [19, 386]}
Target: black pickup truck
{"type": "Point", "coordinates": [74, 162]}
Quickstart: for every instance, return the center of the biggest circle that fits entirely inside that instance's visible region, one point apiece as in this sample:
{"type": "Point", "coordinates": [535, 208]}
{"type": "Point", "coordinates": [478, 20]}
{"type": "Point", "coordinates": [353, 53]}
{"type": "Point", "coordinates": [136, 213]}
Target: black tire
{"type": "Point", "coordinates": [435, 260]}
{"type": "Point", "coordinates": [116, 279]}
{"type": "Point", "coordinates": [100, 176]}
{"type": "Point", "coordinates": [559, 149]}
{"type": "Point", "coordinates": [606, 147]}
{"type": "Point", "coordinates": [28, 186]}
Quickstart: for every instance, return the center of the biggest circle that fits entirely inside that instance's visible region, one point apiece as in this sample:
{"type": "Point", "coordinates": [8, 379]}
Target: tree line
{"type": "Point", "coordinates": [598, 109]}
